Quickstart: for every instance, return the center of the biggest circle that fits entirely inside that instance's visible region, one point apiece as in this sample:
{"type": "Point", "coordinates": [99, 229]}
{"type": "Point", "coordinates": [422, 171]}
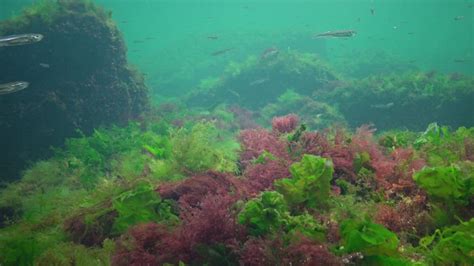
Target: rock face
{"type": "Point", "coordinates": [79, 79]}
{"type": "Point", "coordinates": [257, 82]}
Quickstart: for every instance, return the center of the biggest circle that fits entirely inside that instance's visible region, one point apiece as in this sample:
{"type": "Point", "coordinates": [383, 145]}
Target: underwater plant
{"type": "Point", "coordinates": [314, 114]}
{"type": "Point", "coordinates": [450, 190]}
{"type": "Point", "coordinates": [140, 205]}
{"type": "Point", "coordinates": [254, 142]}
{"type": "Point", "coordinates": [285, 124]}
{"type": "Point", "coordinates": [267, 214]}
{"type": "Point", "coordinates": [441, 147]}
{"type": "Point", "coordinates": [194, 150]}
{"type": "Point", "coordinates": [270, 214]}
{"type": "Point", "coordinates": [446, 184]}
{"type": "Point", "coordinates": [261, 175]}
{"type": "Point", "coordinates": [309, 185]}
{"type": "Point", "coordinates": [194, 189]}
{"type": "Point", "coordinates": [368, 238]}
{"type": "Point", "coordinates": [450, 246]}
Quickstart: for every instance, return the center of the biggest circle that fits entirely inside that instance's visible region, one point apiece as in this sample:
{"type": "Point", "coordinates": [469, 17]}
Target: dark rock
{"type": "Point", "coordinates": [86, 82]}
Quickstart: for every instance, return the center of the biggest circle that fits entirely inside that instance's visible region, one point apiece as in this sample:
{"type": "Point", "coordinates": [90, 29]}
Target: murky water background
{"type": "Point", "coordinates": [169, 40]}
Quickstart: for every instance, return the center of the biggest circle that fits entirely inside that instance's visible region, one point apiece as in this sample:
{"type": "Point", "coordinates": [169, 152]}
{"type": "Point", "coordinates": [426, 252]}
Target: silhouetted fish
{"type": "Point", "coordinates": [269, 52]}
{"type": "Point", "coordinates": [222, 51]}
{"type": "Point", "coordinates": [383, 106]}
{"type": "Point", "coordinates": [258, 82]}
{"type": "Point", "coordinates": [213, 37]}
{"type": "Point", "coordinates": [20, 39]}
{"type": "Point", "coordinates": [338, 34]}
{"type": "Point", "coordinates": [12, 87]}
{"type": "Point", "coordinates": [458, 18]}
{"type": "Point", "coordinates": [459, 60]}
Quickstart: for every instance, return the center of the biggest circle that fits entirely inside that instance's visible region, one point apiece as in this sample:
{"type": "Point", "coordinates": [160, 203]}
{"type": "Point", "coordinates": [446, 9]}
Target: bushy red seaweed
{"type": "Point", "coordinates": [389, 217]}
{"type": "Point", "coordinates": [91, 233]}
{"type": "Point", "coordinates": [260, 251]}
{"type": "Point", "coordinates": [255, 141]}
{"type": "Point", "coordinates": [285, 124]}
{"type": "Point", "coordinates": [260, 176]}
{"type": "Point", "coordinates": [213, 222]}
{"type": "Point", "coordinates": [408, 215]}
{"type": "Point", "coordinates": [307, 252]}
{"type": "Point", "coordinates": [138, 246]}
{"type": "Point", "coordinates": [192, 190]}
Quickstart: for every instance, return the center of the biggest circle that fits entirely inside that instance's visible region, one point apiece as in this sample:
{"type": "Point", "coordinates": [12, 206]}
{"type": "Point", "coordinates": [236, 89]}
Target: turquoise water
{"type": "Point", "coordinates": [168, 40]}
{"type": "Point", "coordinates": [226, 133]}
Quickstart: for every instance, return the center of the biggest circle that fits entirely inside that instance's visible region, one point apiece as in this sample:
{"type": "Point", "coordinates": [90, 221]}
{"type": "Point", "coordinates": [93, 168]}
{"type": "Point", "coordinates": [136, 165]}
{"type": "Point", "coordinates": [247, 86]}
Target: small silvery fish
{"type": "Point", "coordinates": [12, 87]}
{"type": "Point", "coordinates": [383, 106]}
{"type": "Point", "coordinates": [339, 34]}
{"type": "Point", "coordinates": [258, 82]}
{"type": "Point", "coordinates": [269, 53]}
{"type": "Point", "coordinates": [20, 39]}
{"type": "Point", "coordinates": [222, 51]}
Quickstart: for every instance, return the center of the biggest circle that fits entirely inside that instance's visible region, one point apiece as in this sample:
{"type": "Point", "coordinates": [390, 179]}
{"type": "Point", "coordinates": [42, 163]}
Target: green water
{"type": "Point", "coordinates": [168, 40]}
{"type": "Point", "coordinates": [192, 144]}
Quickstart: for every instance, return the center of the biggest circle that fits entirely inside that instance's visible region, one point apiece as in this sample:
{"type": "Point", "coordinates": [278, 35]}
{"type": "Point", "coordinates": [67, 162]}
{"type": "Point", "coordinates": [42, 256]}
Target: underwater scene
{"type": "Point", "coordinates": [236, 132]}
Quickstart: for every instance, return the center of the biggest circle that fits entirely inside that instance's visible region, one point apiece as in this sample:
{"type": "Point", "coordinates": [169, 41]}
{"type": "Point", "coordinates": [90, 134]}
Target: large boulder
{"type": "Point", "coordinates": [411, 100]}
{"type": "Point", "coordinates": [257, 82]}
{"type": "Point", "coordinates": [79, 79]}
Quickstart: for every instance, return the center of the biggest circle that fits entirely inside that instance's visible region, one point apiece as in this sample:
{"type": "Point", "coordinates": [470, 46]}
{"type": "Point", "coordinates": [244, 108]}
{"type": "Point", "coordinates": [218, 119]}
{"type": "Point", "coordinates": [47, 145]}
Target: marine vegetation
{"type": "Point", "coordinates": [317, 168]}
{"type": "Point", "coordinates": [135, 195]}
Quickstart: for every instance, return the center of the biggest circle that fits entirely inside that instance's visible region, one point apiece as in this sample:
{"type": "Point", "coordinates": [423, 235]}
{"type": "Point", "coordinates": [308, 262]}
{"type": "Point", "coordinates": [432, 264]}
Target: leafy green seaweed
{"type": "Point", "coordinates": [141, 204]}
{"type": "Point", "coordinates": [310, 182]}
{"type": "Point", "coordinates": [451, 246]}
{"type": "Point", "coordinates": [446, 183]}
{"type": "Point", "coordinates": [369, 238]}
{"type": "Point", "coordinates": [266, 214]}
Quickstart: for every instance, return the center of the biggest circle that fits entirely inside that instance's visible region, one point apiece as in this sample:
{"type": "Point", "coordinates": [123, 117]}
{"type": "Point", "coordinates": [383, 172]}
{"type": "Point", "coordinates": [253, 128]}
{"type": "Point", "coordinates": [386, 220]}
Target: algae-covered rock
{"type": "Point", "coordinates": [78, 75]}
{"type": "Point", "coordinates": [260, 81]}
{"type": "Point", "coordinates": [411, 100]}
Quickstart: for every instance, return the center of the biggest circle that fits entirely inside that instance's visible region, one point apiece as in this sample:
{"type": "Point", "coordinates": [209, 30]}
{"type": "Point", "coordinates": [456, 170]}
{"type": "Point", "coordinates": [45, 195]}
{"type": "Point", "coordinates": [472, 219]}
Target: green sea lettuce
{"type": "Point", "coordinates": [310, 182]}
{"type": "Point", "coordinates": [141, 204]}
{"type": "Point", "coordinates": [269, 213]}
{"type": "Point", "coordinates": [443, 147]}
{"type": "Point", "coordinates": [451, 246]}
{"type": "Point", "coordinates": [446, 183]}
{"type": "Point", "coordinates": [368, 238]}
{"type": "Point", "coordinates": [433, 134]}
{"type": "Point", "coordinates": [265, 214]}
